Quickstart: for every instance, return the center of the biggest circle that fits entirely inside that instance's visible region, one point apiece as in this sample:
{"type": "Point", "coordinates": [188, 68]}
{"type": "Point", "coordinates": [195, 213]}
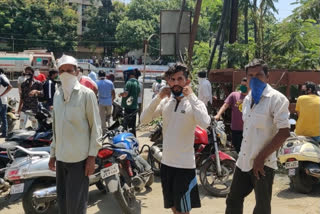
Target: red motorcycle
{"type": "Point", "coordinates": [216, 166]}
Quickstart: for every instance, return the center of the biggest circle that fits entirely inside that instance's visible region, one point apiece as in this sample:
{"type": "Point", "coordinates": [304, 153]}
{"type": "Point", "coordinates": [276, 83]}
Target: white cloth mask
{"type": "Point", "coordinates": [68, 81]}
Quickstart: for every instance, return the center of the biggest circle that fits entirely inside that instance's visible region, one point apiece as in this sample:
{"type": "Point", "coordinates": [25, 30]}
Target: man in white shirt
{"type": "Point", "coordinates": [76, 133]}
{"type": "Point", "coordinates": [266, 127]}
{"type": "Point", "coordinates": [205, 89]}
{"type": "Point", "coordinates": [181, 112]}
{"type": "Point", "coordinates": [5, 87]}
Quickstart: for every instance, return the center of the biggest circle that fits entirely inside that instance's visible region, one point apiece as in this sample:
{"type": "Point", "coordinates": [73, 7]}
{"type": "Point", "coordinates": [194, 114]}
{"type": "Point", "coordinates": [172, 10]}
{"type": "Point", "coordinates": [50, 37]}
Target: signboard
{"type": "Point", "coordinates": [168, 26]}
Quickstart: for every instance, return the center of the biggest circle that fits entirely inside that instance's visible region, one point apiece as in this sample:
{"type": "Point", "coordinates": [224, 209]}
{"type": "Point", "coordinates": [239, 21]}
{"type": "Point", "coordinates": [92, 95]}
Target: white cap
{"type": "Point", "coordinates": [66, 59]}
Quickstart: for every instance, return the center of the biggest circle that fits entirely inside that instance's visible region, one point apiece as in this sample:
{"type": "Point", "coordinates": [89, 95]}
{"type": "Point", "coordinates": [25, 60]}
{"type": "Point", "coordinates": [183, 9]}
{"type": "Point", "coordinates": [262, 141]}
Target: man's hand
{"type": "Point", "coordinates": [258, 167]}
{"type": "Point", "coordinates": [123, 94]}
{"type": "Point", "coordinates": [34, 93]}
{"type": "Point", "coordinates": [52, 164]}
{"type": "Point", "coordinates": [90, 165]}
{"type": "Point", "coordinates": [165, 92]}
{"type": "Point", "coordinates": [217, 117]}
{"type": "Point", "coordinates": [187, 90]}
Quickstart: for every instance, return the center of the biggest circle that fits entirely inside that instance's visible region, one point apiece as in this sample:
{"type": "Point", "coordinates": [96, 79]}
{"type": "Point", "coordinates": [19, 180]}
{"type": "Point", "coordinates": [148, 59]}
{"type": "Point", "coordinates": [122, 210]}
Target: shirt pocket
{"type": "Point", "coordinates": [260, 121]}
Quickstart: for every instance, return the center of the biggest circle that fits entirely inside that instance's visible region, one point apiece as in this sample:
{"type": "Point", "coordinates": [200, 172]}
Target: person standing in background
{"type": "Point", "coordinates": [106, 96]}
{"type": "Point", "coordinates": [157, 85]}
{"type": "Point", "coordinates": [93, 76]}
{"type": "Point", "coordinates": [130, 100]}
{"type": "Point", "coordinates": [5, 87]}
{"type": "Point", "coordinates": [235, 100]}
{"type": "Point", "coordinates": [31, 90]}
{"type": "Point", "coordinates": [49, 88]}
{"type": "Point", "coordinates": [204, 89]}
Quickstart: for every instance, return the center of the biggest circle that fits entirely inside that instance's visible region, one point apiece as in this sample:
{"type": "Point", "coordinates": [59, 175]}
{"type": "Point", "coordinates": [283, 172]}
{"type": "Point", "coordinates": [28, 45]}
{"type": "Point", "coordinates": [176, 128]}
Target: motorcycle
{"type": "Point", "coordinates": [125, 172]}
{"type": "Point", "coordinates": [29, 173]}
{"type": "Point", "coordinates": [203, 145]}
{"type": "Point", "coordinates": [28, 139]}
{"type": "Point", "coordinates": [301, 157]}
{"type": "Point", "coordinates": [119, 165]}
{"type": "Point", "coordinates": [216, 172]}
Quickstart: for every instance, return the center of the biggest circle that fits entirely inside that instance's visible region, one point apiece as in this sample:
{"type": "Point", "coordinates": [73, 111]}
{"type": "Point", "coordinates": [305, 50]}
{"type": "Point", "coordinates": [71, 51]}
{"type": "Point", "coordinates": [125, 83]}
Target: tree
{"type": "Point", "coordinates": [102, 24]}
{"type": "Point", "coordinates": [39, 24]}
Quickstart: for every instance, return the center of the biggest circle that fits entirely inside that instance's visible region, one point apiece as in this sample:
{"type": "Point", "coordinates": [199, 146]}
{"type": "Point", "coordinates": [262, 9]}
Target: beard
{"type": "Point", "coordinates": [176, 90]}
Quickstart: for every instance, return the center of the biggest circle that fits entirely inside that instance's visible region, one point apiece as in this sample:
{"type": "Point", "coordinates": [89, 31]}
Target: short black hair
{"type": "Point", "coordinates": [52, 72]}
{"type": "Point", "coordinates": [137, 73]}
{"type": "Point", "coordinates": [258, 62]}
{"type": "Point", "coordinates": [80, 69]}
{"type": "Point", "coordinates": [29, 68]}
{"type": "Point", "coordinates": [177, 68]}
{"type": "Point", "coordinates": [311, 86]}
{"type": "Point", "coordinates": [1, 71]}
{"type": "Point", "coordinates": [102, 73]}
{"type": "Point", "coordinates": [202, 74]}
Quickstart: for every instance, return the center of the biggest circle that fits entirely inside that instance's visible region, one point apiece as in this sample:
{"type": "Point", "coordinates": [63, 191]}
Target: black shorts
{"type": "Point", "coordinates": [179, 188]}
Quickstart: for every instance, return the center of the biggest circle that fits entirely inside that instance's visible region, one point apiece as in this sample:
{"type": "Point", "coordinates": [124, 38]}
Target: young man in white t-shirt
{"type": "Point", "coordinates": [181, 111]}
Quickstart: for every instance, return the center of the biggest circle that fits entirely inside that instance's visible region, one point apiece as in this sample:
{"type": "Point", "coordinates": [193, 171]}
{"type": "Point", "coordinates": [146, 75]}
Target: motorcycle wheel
{"type": "Point", "coordinates": [155, 165]}
{"type": "Point", "coordinates": [150, 181]}
{"type": "Point", "coordinates": [126, 198]}
{"type": "Point", "coordinates": [301, 182]}
{"type": "Point", "coordinates": [101, 187]}
{"type": "Point", "coordinates": [213, 183]}
{"type": "Point", "coordinates": [31, 207]}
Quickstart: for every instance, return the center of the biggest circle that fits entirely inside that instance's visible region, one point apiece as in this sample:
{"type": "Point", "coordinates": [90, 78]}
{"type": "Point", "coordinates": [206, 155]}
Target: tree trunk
{"type": "Point", "coordinates": [246, 27]}
{"type": "Point", "coordinates": [225, 27]}
{"type": "Point", "coordinates": [256, 33]}
{"type": "Point", "coordinates": [194, 30]}
{"type": "Point", "coordinates": [223, 16]}
{"type": "Point", "coordinates": [234, 21]}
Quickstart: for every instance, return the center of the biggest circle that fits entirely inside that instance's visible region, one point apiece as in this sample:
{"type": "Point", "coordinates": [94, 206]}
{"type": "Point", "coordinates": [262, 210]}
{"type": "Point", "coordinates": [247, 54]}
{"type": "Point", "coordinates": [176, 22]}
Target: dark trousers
{"type": "Point", "coordinates": [4, 122]}
{"type": "Point", "coordinates": [242, 185]}
{"type": "Point", "coordinates": [130, 121]}
{"type": "Point", "coordinates": [72, 187]}
{"type": "Point", "coordinates": [237, 139]}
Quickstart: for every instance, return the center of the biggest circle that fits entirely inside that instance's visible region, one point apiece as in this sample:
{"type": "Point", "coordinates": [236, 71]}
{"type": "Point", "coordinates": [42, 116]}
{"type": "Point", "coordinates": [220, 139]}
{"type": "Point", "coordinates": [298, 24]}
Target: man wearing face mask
{"type": "Point", "coordinates": [31, 90]}
{"type": "Point", "coordinates": [77, 130]}
{"type": "Point", "coordinates": [130, 100]}
{"type": "Point", "coordinates": [235, 100]}
{"type": "Point", "coordinates": [181, 111]}
{"type": "Point", "coordinates": [265, 129]}
{"type": "Point", "coordinates": [157, 85]}
{"type": "Point", "coordinates": [308, 109]}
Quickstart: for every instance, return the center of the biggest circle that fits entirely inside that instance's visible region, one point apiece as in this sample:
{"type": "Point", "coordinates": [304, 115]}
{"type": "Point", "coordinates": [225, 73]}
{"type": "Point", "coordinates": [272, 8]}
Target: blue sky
{"type": "Point", "coordinates": [284, 8]}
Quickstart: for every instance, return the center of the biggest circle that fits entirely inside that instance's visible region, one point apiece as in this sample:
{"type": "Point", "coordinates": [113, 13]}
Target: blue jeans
{"type": "Point", "coordinates": [3, 115]}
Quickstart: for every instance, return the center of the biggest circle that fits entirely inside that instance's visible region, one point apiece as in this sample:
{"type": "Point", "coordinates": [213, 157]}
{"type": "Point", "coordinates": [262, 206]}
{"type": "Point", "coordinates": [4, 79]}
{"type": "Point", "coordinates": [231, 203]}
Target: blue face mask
{"type": "Point", "coordinates": [257, 87]}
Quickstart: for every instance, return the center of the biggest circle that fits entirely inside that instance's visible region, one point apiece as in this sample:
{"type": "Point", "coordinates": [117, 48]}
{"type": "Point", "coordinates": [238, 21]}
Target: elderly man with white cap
{"type": "Point", "coordinates": [77, 129]}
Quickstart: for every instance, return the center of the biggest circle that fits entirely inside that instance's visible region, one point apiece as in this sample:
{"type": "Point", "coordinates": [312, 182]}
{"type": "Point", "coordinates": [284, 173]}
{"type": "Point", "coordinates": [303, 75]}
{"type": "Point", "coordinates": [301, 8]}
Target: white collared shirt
{"type": "Point", "coordinates": [179, 123]}
{"type": "Point", "coordinates": [205, 91]}
{"type": "Point", "coordinates": [261, 123]}
{"type": "Point", "coordinates": [76, 125]}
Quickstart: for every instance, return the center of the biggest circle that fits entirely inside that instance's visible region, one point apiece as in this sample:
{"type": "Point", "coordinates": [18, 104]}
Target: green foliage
{"type": "Point", "coordinates": [102, 23]}
{"type": "Point", "coordinates": [49, 24]}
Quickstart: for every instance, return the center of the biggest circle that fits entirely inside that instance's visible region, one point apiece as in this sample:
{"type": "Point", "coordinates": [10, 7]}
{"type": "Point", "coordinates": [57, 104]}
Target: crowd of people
{"type": "Point", "coordinates": [82, 108]}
